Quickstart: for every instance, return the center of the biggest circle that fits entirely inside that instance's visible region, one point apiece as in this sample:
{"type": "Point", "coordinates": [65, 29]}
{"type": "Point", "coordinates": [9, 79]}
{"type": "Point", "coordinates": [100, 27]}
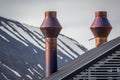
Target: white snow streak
{"type": "Point", "coordinates": [28, 34]}
{"type": "Point", "coordinates": [5, 76]}
{"type": "Point", "coordinates": [31, 39]}
{"type": "Point", "coordinates": [40, 66]}
{"type": "Point", "coordinates": [15, 72]}
{"type": "Point", "coordinates": [59, 56]}
{"type": "Point", "coordinates": [63, 51]}
{"type": "Point", "coordinates": [11, 34]}
{"type": "Point", "coordinates": [39, 77]}
{"type": "Point", "coordinates": [66, 60]}
{"type": "Point", "coordinates": [26, 62]}
{"type": "Point", "coordinates": [35, 50]}
{"type": "Point", "coordinates": [72, 45]}
{"type": "Point", "coordinates": [29, 77]}
{"type": "Point", "coordinates": [30, 71]}
{"type": "Point", "coordinates": [4, 38]}
{"type": "Point", "coordinates": [37, 72]}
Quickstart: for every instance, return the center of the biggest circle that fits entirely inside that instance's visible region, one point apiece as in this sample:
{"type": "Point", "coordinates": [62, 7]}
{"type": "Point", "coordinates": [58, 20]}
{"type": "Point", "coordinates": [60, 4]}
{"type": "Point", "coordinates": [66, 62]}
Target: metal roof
{"type": "Point", "coordinates": [85, 60]}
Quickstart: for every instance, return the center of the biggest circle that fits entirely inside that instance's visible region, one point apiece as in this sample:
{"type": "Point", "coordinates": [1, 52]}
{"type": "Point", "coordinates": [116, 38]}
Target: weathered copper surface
{"type": "Point", "coordinates": [51, 29]}
{"type": "Point", "coordinates": [50, 14]}
{"type": "Point", "coordinates": [50, 26]}
{"type": "Point", "coordinates": [51, 56]}
{"type": "Point", "coordinates": [101, 31]}
{"type": "Point", "coordinates": [50, 20]}
{"type": "Point", "coordinates": [101, 14]}
{"type": "Point", "coordinates": [100, 40]}
{"type": "Point", "coordinates": [100, 27]}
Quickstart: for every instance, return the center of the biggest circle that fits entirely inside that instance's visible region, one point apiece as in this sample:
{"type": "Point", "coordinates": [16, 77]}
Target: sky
{"type": "Point", "coordinates": [75, 16]}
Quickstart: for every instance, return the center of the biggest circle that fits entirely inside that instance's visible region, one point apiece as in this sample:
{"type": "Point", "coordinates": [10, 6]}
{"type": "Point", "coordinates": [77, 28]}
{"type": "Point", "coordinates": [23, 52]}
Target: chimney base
{"type": "Point", "coordinates": [100, 40]}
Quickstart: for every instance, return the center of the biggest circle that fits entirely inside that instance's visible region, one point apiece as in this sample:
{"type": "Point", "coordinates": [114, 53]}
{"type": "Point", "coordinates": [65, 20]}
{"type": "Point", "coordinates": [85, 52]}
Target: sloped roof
{"type": "Point", "coordinates": [85, 60]}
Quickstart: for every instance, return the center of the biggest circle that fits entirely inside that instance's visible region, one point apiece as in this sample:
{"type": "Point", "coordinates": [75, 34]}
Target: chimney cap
{"type": "Point", "coordinates": [50, 13]}
{"type": "Point", "coordinates": [50, 26]}
{"type": "Point", "coordinates": [101, 14]}
{"type": "Point", "coordinates": [101, 26]}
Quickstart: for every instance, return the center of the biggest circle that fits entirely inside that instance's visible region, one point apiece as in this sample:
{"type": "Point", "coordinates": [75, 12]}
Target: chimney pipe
{"type": "Point", "coordinates": [100, 27]}
{"type": "Point", "coordinates": [51, 29]}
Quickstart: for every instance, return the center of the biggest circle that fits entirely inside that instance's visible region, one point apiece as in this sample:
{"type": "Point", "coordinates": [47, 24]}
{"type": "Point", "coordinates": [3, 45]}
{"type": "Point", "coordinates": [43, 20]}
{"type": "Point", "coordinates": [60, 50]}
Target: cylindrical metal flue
{"type": "Point", "coordinates": [51, 29]}
{"type": "Point", "coordinates": [100, 27]}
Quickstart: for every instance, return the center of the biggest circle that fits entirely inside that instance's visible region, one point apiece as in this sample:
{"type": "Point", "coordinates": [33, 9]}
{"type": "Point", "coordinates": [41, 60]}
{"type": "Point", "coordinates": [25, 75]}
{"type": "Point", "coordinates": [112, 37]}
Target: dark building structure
{"type": "Point", "coordinates": [100, 63]}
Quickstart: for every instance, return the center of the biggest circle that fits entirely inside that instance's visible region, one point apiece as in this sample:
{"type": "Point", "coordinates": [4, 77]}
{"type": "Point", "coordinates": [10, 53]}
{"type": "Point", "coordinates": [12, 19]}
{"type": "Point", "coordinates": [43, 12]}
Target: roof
{"type": "Point", "coordinates": [85, 60]}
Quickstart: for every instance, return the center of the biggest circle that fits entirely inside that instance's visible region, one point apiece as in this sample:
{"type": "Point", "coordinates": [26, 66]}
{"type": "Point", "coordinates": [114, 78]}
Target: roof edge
{"type": "Point", "coordinates": [85, 60]}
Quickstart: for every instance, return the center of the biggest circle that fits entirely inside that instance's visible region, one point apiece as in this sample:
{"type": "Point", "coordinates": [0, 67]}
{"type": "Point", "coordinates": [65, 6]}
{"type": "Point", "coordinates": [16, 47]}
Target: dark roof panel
{"type": "Point", "coordinates": [85, 60]}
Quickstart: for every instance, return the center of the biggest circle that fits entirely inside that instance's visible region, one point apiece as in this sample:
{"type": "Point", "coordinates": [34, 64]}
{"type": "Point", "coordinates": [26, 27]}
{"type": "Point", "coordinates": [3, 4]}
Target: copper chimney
{"type": "Point", "coordinates": [51, 29]}
{"type": "Point", "coordinates": [100, 27]}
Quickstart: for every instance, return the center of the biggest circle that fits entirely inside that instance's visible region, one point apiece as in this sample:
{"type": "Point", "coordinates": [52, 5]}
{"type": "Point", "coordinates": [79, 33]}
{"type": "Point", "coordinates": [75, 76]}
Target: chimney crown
{"type": "Point", "coordinates": [100, 14]}
{"type": "Point", "coordinates": [101, 26]}
{"type": "Point", "coordinates": [50, 26]}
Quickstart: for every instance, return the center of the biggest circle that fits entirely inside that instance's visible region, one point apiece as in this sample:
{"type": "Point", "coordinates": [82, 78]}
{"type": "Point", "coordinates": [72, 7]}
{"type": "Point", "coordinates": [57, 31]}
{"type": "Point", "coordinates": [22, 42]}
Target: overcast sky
{"type": "Point", "coordinates": [75, 16]}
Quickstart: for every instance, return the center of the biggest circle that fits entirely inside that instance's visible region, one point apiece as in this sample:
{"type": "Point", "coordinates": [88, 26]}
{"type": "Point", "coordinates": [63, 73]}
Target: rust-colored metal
{"type": "Point", "coordinates": [51, 29]}
{"type": "Point", "coordinates": [100, 40]}
{"type": "Point", "coordinates": [101, 27]}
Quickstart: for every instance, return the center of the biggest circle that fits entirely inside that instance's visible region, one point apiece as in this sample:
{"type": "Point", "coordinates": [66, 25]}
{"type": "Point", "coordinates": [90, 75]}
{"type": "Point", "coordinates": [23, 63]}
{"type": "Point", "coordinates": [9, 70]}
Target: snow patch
{"type": "Point", "coordinates": [66, 60]}
{"type": "Point", "coordinates": [40, 66]}
{"type": "Point", "coordinates": [29, 77]}
{"type": "Point", "coordinates": [66, 48]}
{"type": "Point", "coordinates": [15, 72]}
{"type": "Point", "coordinates": [39, 77]}
{"type": "Point", "coordinates": [26, 62]}
{"type": "Point", "coordinates": [5, 76]}
{"type": "Point", "coordinates": [4, 38]}
{"type": "Point", "coordinates": [13, 33]}
{"type": "Point", "coordinates": [59, 56]}
{"type": "Point", "coordinates": [35, 50]}
{"type": "Point", "coordinates": [30, 71]}
{"type": "Point", "coordinates": [63, 51]}
{"type": "Point", "coordinates": [37, 72]}
{"type": "Point", "coordinates": [33, 39]}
